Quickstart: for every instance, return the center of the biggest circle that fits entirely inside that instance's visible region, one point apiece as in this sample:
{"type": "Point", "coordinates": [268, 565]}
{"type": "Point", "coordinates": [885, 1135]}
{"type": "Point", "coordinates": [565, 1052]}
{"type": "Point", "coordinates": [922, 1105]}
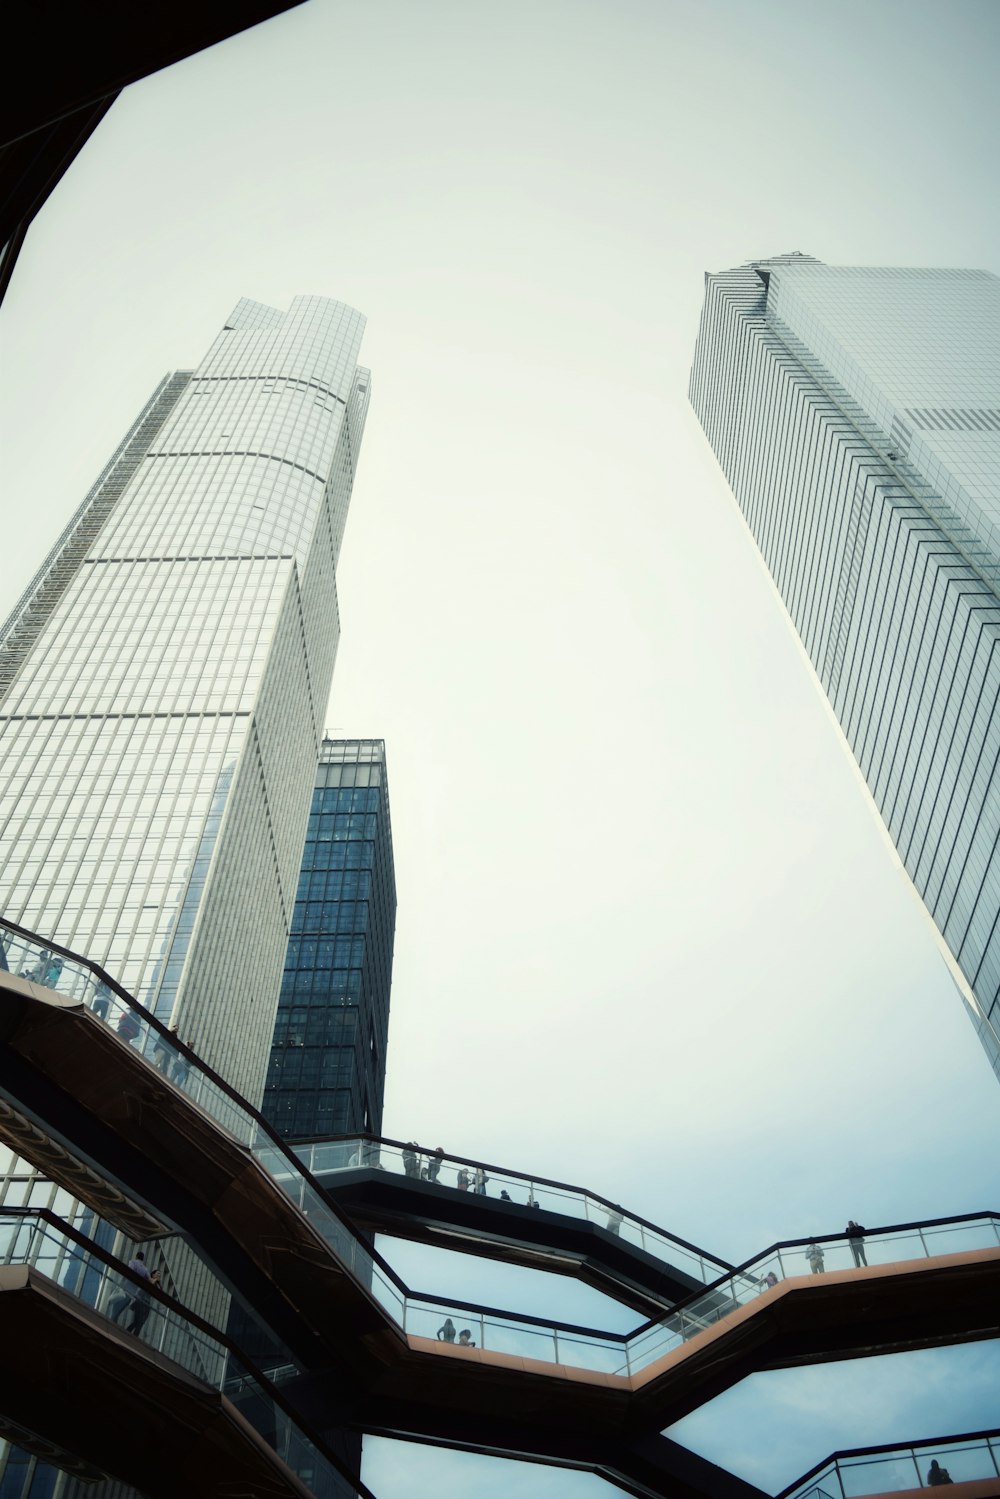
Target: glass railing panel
{"type": "Point", "coordinates": [966, 1460]}
{"type": "Point", "coordinates": [694, 1316]}
{"type": "Point", "coordinates": [960, 1238]}
{"type": "Point", "coordinates": [420, 1164]}
{"type": "Point", "coordinates": [388, 1294]}
{"type": "Point", "coordinates": [810, 1258]}
{"type": "Point", "coordinates": [320, 1216]}
{"type": "Point", "coordinates": [882, 1475]}
{"type": "Point", "coordinates": [15, 1240]}
{"type": "Point", "coordinates": [133, 1309]}
{"type": "Point", "coordinates": [493, 1333]}
{"type": "Point", "coordinates": [602, 1355]}
{"type": "Point", "coordinates": [962, 1460]}
{"type": "Point", "coordinates": [518, 1339]}
{"type": "Point", "coordinates": [30, 959]}
{"type": "Point", "coordinates": [74, 980]}
{"type": "Point", "coordinates": [337, 1155]}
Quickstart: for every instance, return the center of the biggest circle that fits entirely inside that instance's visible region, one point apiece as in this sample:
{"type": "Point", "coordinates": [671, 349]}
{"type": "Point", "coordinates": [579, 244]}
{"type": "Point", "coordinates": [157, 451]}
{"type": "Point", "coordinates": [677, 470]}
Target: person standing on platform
{"type": "Point", "coordinates": [855, 1234]}
{"type": "Point", "coordinates": [815, 1257]}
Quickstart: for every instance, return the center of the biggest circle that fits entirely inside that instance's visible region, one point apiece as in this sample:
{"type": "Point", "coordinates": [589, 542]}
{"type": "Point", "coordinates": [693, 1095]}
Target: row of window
{"type": "Point", "coordinates": [353, 854]}
{"type": "Point", "coordinates": [335, 884]}
{"type": "Point", "coordinates": [325, 952]}
{"type": "Point", "coordinates": [344, 798]}
{"type": "Point", "coordinates": [319, 987]}
{"type": "Point", "coordinates": [304, 1112]}
{"type": "Point", "coordinates": [346, 917]}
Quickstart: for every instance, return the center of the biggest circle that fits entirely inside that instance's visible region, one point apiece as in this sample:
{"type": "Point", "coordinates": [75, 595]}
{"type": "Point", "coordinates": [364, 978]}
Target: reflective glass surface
{"type": "Point", "coordinates": [327, 1070]}
{"type": "Point", "coordinates": [853, 411]}
{"type": "Point", "coordinates": [159, 682]}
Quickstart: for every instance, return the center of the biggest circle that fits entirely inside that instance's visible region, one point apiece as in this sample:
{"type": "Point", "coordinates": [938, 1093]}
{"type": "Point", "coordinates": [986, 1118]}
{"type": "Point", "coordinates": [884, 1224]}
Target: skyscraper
{"type": "Point", "coordinates": [327, 1073]}
{"type": "Point", "coordinates": [856, 414]}
{"type": "Point", "coordinates": [163, 680]}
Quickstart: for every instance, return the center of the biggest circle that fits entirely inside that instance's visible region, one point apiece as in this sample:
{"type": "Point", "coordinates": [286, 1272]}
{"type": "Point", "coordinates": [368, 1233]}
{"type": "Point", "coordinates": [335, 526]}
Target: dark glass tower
{"type": "Point", "coordinates": [327, 1072]}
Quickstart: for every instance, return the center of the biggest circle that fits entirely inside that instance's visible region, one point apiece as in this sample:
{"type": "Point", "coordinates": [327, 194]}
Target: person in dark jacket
{"type": "Point", "coordinates": [937, 1475]}
{"type": "Point", "coordinates": [854, 1233]}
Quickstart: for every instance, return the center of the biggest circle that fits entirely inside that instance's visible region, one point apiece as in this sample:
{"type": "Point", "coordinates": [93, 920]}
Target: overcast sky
{"type": "Point", "coordinates": [650, 936]}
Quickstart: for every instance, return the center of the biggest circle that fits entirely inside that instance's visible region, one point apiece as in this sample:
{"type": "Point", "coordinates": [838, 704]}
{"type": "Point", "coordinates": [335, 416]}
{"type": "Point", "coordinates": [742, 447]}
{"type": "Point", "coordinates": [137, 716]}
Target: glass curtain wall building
{"type": "Point", "coordinates": [855, 412]}
{"type": "Point", "coordinates": [164, 681]}
{"type": "Point", "coordinates": [327, 1072]}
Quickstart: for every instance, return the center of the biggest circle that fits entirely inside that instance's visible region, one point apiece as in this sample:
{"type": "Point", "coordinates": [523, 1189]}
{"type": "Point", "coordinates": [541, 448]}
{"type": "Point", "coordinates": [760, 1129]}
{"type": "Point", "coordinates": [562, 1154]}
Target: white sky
{"type": "Point", "coordinates": [650, 939]}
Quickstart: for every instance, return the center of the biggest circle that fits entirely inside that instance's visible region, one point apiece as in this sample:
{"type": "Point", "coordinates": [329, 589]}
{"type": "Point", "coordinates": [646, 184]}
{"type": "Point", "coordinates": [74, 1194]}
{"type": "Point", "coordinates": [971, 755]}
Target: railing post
{"type": "Point", "coordinates": [923, 1241]}
{"type": "Point", "coordinates": [555, 1344]}
{"type": "Point", "coordinates": [482, 1330]}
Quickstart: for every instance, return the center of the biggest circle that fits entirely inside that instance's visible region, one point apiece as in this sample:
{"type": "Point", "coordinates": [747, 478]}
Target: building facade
{"type": "Point", "coordinates": [327, 1072]}
{"type": "Point", "coordinates": [164, 681]}
{"type": "Point", "coordinates": [855, 412]}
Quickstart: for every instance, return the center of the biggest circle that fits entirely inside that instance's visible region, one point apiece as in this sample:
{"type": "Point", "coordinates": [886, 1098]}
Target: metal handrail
{"type": "Point", "coordinates": [66, 1231]}
{"type": "Point", "coordinates": [886, 1449]}
{"type": "Point", "coordinates": [540, 1181]}
{"type": "Point", "coordinates": [741, 1277]}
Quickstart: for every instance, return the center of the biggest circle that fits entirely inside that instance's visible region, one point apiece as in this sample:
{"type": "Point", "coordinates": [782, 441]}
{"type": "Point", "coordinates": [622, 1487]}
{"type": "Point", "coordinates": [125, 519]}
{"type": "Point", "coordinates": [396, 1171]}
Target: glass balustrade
{"type": "Point", "coordinates": [328, 1156]}
{"type": "Point", "coordinates": [497, 1332]}
{"type": "Point", "coordinates": [105, 1285]}
{"type": "Point", "coordinates": [885, 1471]}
